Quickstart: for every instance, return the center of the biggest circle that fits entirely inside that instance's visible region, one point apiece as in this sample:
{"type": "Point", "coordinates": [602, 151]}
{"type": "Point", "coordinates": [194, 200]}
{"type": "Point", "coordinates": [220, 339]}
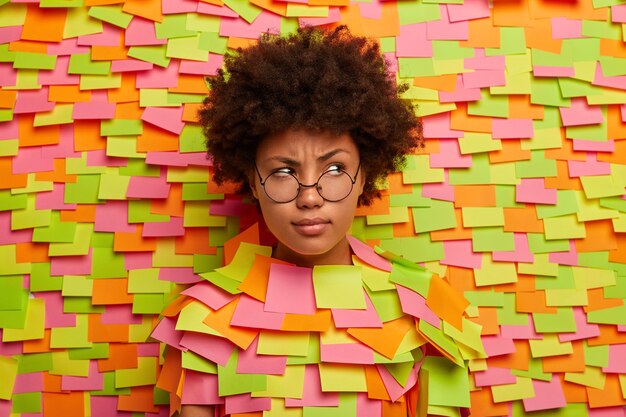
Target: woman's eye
{"type": "Point", "coordinates": [281, 172]}
{"type": "Point", "coordinates": [336, 168]}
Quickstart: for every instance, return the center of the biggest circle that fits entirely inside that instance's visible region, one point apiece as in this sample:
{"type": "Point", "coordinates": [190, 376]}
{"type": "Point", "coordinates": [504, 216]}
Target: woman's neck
{"type": "Point", "coordinates": [340, 254]}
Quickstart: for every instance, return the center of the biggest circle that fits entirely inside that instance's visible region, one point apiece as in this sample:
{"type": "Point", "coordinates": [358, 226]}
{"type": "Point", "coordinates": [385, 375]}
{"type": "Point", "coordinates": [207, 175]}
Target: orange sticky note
{"type": "Point", "coordinates": [63, 404]}
{"type": "Point", "coordinates": [149, 9]}
{"type": "Point", "coordinates": [384, 340]}
{"type": "Point", "coordinates": [220, 321]}
{"type": "Point", "coordinates": [111, 291]}
{"type": "Point", "coordinates": [446, 302]}
{"type": "Point", "coordinates": [44, 24]}
{"type": "Point", "coordinates": [255, 283]}
{"type": "Point", "coordinates": [133, 241]}
{"type": "Point", "coordinates": [318, 322]}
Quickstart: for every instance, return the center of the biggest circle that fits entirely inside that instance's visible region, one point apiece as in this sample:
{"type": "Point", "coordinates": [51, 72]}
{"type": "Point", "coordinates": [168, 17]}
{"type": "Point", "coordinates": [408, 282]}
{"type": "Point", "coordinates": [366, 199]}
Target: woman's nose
{"type": "Point", "coordinates": [309, 197]}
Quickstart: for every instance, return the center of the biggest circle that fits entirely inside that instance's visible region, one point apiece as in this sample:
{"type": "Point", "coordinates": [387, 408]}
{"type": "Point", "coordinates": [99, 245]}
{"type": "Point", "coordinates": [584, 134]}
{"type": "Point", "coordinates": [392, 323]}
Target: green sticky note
{"type": "Point", "coordinates": [96, 351]}
{"type": "Point", "coordinates": [198, 192]}
{"type": "Point", "coordinates": [34, 362]}
{"type": "Point", "coordinates": [123, 147]}
{"type": "Point", "coordinates": [418, 171]}
{"type": "Point", "coordinates": [507, 314]}
{"type": "Point", "coordinates": [561, 322]}
{"type": "Point", "coordinates": [79, 246]}
{"type": "Point", "coordinates": [415, 249]}
{"type": "Point", "coordinates": [448, 384]}
{"type": "Point", "coordinates": [550, 59]}
{"type": "Point", "coordinates": [9, 201]}
{"type": "Point", "coordinates": [34, 324]}
{"type": "Point", "coordinates": [601, 29]}
{"type": "Point", "coordinates": [413, 199]}
{"type": "Point", "coordinates": [489, 239]}
{"type": "Point", "coordinates": [512, 42]}
{"type": "Point", "coordinates": [82, 64]}
{"type": "Point", "coordinates": [246, 10]}
{"type": "Point", "coordinates": [387, 304]}
{"type": "Point", "coordinates": [83, 191]}
{"type": "Point", "coordinates": [203, 23]}
{"type": "Point", "coordinates": [276, 343]}
{"type": "Point", "coordinates": [395, 215]}
{"type": "Point", "coordinates": [147, 281]}
{"type": "Point", "coordinates": [546, 91]}
{"type": "Point", "coordinates": [537, 167]}
{"type": "Point", "coordinates": [77, 286]}
{"type": "Point", "coordinates": [144, 374]}
{"type": "Point", "coordinates": [346, 407]}
{"type": "Point", "coordinates": [111, 14]}
{"type": "Point", "coordinates": [475, 142]}
{"type": "Point", "coordinates": [535, 371]}
{"type": "Point", "coordinates": [612, 66]}
{"type": "Point", "coordinates": [505, 197]}
{"type": "Point", "coordinates": [613, 315]}
{"type": "Point", "coordinates": [230, 382]}
{"type": "Point", "coordinates": [100, 82]}
{"type": "Point", "coordinates": [28, 402]}
{"type": "Point", "coordinates": [78, 23]}
{"type": "Point", "coordinates": [107, 264]}
{"type": "Point", "coordinates": [198, 363]}
{"type": "Point", "coordinates": [109, 386]}
{"type": "Point", "coordinates": [494, 273]}
{"type": "Point", "coordinates": [56, 231]}
{"type": "Point", "coordinates": [488, 105]}
{"type": "Point", "coordinates": [121, 127]}
{"type": "Point", "coordinates": [288, 385]}
{"type": "Point", "coordinates": [149, 303]}
{"type": "Point", "coordinates": [63, 365]}
{"type": "Point", "coordinates": [484, 298]}
{"type": "Point", "coordinates": [417, 12]}
{"type": "Point", "coordinates": [596, 355]}
{"type": "Point", "coordinates": [30, 217]}
{"type": "Point", "coordinates": [571, 87]}
{"type": "Point", "coordinates": [71, 337]}
{"type": "Point", "coordinates": [540, 266]}
{"type": "Point", "coordinates": [173, 26]}
{"type": "Point", "coordinates": [440, 215]}
{"type": "Point", "coordinates": [482, 216]}
{"type": "Point", "coordinates": [597, 132]}
{"type": "Point", "coordinates": [582, 49]}
{"type": "Point", "coordinates": [566, 204]}
{"type": "Point", "coordinates": [342, 378]}
{"type": "Point", "coordinates": [240, 266]}
{"type": "Point", "coordinates": [211, 41]}
{"type": "Point", "coordinates": [410, 67]}
{"type": "Point", "coordinates": [34, 60]}
{"type": "Point", "coordinates": [338, 286]}
{"type": "Point", "coordinates": [155, 54]}
{"type": "Point", "coordinates": [304, 10]}
{"type": "Point", "coordinates": [13, 296]}
{"type": "Point", "coordinates": [478, 174]}
{"type": "Point", "coordinates": [186, 48]}
{"type": "Point", "coordinates": [563, 227]}
{"type": "Point", "coordinates": [113, 186]}
{"type": "Point", "coordinates": [8, 370]}
{"type": "Point", "coordinates": [81, 305]}
{"type": "Point", "coordinates": [60, 115]}
{"type": "Point", "coordinates": [9, 266]}
{"type": "Point", "coordinates": [564, 279]}
{"type": "Point", "coordinates": [538, 243]}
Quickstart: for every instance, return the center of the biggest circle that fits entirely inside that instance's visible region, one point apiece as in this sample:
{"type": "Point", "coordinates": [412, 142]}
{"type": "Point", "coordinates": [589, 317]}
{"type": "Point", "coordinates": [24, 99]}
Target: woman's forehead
{"type": "Point", "coordinates": [300, 143]}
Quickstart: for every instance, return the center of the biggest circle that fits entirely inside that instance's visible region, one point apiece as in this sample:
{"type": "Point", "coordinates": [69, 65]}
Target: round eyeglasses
{"type": "Point", "coordinates": [283, 187]}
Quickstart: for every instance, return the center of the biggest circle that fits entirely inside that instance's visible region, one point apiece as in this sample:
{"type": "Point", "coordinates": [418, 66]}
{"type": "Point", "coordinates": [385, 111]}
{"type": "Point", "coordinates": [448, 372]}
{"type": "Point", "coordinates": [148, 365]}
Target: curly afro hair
{"type": "Point", "coordinates": [313, 80]}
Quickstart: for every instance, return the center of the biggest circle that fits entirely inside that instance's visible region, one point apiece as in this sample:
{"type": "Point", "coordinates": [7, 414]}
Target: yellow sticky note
{"type": "Point", "coordinates": [63, 365]}
{"type": "Point", "coordinates": [8, 370]}
{"type": "Point", "coordinates": [599, 186]}
{"type": "Point", "coordinates": [342, 378]}
{"type": "Point", "coordinates": [338, 286]}
{"type": "Point", "coordinates": [240, 266]}
{"type": "Point", "coordinates": [494, 273]}
{"type": "Point", "coordinates": [35, 323]}
{"type": "Point", "coordinates": [165, 255]}
{"type": "Point", "coordinates": [586, 278]}
{"type": "Point", "coordinates": [482, 216]}
{"type": "Point", "coordinates": [275, 343]}
{"type": "Point", "coordinates": [592, 377]}
{"type": "Point", "coordinates": [563, 227]}
{"type": "Point", "coordinates": [540, 266]}
{"type": "Point", "coordinates": [522, 388]}
{"type": "Point", "coordinates": [549, 346]}
{"type": "Point", "coordinates": [470, 337]}
{"type": "Point", "coordinates": [80, 245]}
{"type": "Point", "coordinates": [71, 337]}
{"type": "Point", "coordinates": [191, 316]}
{"type": "Point", "coordinates": [395, 215]}
{"type": "Point", "coordinates": [475, 142]}
{"type": "Point", "coordinates": [288, 385]}
{"type": "Point", "coordinates": [560, 297]}
{"type": "Point", "coordinates": [144, 374]}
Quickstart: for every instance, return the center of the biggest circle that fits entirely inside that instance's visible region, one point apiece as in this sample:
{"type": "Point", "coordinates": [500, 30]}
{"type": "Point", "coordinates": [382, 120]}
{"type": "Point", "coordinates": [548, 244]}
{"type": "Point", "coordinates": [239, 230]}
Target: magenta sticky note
{"type": "Point", "coordinates": [512, 128]}
{"type": "Point", "coordinates": [444, 29]}
{"type": "Point", "coordinates": [113, 217]}
{"type": "Point", "coordinates": [249, 362]}
{"type": "Point", "coordinates": [548, 395]}
{"type": "Point", "coordinates": [99, 158]}
{"type": "Point", "coordinates": [353, 353]}
{"type": "Point", "coordinates": [213, 348]}
{"type": "Point", "coordinates": [245, 403]}
{"type": "Point", "coordinates": [346, 318]}
{"type": "Point", "coordinates": [168, 118]}
{"type": "Point", "coordinates": [148, 187]}
{"type": "Point", "coordinates": [580, 113]}
{"type": "Point", "coordinates": [367, 254]}
{"type": "Point", "coordinates": [496, 345]}
{"type": "Point", "coordinates": [180, 275]}
{"type": "Point", "coordinates": [414, 304]}
{"type": "Point", "coordinates": [439, 190]}
{"type": "Point", "coordinates": [106, 406]}
{"type": "Point", "coordinates": [137, 260]}
{"type": "Point", "coordinates": [469, 10]}
{"type": "Point", "coordinates": [209, 294]}
{"type": "Point", "coordinates": [94, 381]}
{"type": "Point", "coordinates": [460, 253]}
{"type": "Point", "coordinates": [290, 290]}
{"type": "Point", "coordinates": [312, 395]}
{"type": "Point", "coordinates": [520, 332]}
{"type": "Point", "coordinates": [611, 82]}
{"type": "Point", "coordinates": [617, 364]}
{"type": "Point", "coordinates": [549, 71]}
{"type": "Point", "coordinates": [368, 407]}
{"type": "Point", "coordinates": [618, 13]}
{"type": "Point", "coordinates": [149, 349]}
{"type": "Point", "coordinates": [412, 41]}
{"type": "Point", "coordinates": [179, 6]}
{"type": "Point", "coordinates": [483, 78]}
{"type": "Point", "coordinates": [532, 190]}
{"type": "Point", "coordinates": [521, 253]}
{"type": "Point", "coordinates": [141, 31]}
{"type": "Point", "coordinates": [449, 156]}
{"type": "Point", "coordinates": [67, 47]}
{"type": "Point", "coordinates": [438, 126]}
{"type": "Point", "coordinates": [371, 10]}
{"type": "Point", "coordinates": [589, 167]}
{"type": "Point", "coordinates": [250, 312]}
{"type": "Point", "coordinates": [200, 388]}
{"type": "Point", "coordinates": [494, 376]}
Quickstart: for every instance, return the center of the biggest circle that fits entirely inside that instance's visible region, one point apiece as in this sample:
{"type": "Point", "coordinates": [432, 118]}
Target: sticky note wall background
{"type": "Point", "coordinates": [518, 196]}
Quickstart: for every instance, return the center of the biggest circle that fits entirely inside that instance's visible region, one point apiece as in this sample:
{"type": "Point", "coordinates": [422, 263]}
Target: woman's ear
{"type": "Point", "coordinates": [252, 182]}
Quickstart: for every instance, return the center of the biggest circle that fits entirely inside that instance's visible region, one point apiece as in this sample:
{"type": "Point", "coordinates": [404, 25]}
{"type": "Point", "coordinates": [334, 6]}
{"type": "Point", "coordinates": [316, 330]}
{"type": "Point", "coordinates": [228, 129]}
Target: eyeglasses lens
{"type": "Point", "coordinates": [332, 186]}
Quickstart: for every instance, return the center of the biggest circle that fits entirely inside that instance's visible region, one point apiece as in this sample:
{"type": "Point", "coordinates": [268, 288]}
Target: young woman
{"type": "Point", "coordinates": [318, 324]}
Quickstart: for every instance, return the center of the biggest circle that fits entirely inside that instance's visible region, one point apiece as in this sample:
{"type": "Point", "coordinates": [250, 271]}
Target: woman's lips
{"type": "Point", "coordinates": [311, 227]}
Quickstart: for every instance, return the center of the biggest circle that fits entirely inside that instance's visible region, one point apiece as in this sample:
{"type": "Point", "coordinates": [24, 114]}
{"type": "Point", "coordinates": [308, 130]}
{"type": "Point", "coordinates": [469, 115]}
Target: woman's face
{"type": "Point", "coordinates": [310, 230]}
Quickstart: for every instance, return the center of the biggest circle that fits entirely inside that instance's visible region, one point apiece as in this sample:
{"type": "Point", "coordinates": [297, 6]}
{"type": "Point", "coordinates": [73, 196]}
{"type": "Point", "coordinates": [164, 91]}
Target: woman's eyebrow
{"type": "Point", "coordinates": [322, 158]}
{"type": "Point", "coordinates": [330, 154]}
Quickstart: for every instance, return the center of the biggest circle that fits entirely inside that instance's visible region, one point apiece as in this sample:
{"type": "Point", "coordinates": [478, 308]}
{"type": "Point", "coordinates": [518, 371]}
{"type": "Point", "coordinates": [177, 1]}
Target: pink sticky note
{"type": "Point", "coordinates": [102, 406]}
{"type": "Point", "coordinates": [113, 217]}
{"type": "Point", "coordinates": [179, 275]}
{"type": "Point", "coordinates": [233, 207]}
{"type": "Point", "coordinates": [10, 34]}
{"type": "Point", "coordinates": [67, 47]}
{"type": "Point", "coordinates": [10, 237]}
{"type": "Point", "coordinates": [159, 77]}
{"type": "Point", "coordinates": [482, 62]}
{"type": "Point", "coordinates": [71, 265]}
{"type": "Point", "coordinates": [392, 62]}
{"type": "Point", "coordinates": [483, 78]}
{"type": "Point", "coordinates": [98, 108]}
{"type": "Point", "coordinates": [580, 113]}
{"type": "Point", "coordinates": [94, 381]}
{"type": "Point", "coordinates": [109, 36]}
{"type": "Point", "coordinates": [31, 160]}
{"type": "Point", "coordinates": [209, 67]}
{"type": "Point", "coordinates": [213, 10]}
{"type": "Point", "coordinates": [149, 349]}
{"type": "Point", "coordinates": [30, 382]}
{"type": "Point", "coordinates": [8, 75]}
{"type": "Point", "coordinates": [548, 395]}
{"type": "Point", "coordinates": [617, 364]}
{"type": "Point", "coordinates": [148, 187]}
{"type": "Point", "coordinates": [9, 129]}
{"type": "Point", "coordinates": [249, 362]}
{"type": "Point", "coordinates": [312, 395]}
{"type": "Point", "coordinates": [141, 32]}
{"type": "Point", "coordinates": [612, 82]}
{"type": "Point", "coordinates": [33, 101]}
{"type": "Point", "coordinates": [200, 388]}
{"type": "Point", "coordinates": [130, 65]}
{"type": "Point", "coordinates": [59, 75]}
{"type": "Point", "coordinates": [444, 29]}
{"type": "Point", "coordinates": [213, 348]}
{"type": "Point", "coordinates": [521, 253]}
{"type": "Point", "coordinates": [512, 128]}
{"type": "Point", "coordinates": [65, 147]}
{"type": "Point", "coordinates": [618, 13]}
{"type": "Point", "coordinates": [494, 376]}
{"type": "Point", "coordinates": [593, 145]}
{"type": "Point", "coordinates": [177, 159]}
{"type": "Point", "coordinates": [414, 304]}
{"type": "Point", "coordinates": [412, 41]}
{"type": "Point", "coordinates": [497, 345]}
{"type": "Point", "coordinates": [461, 93]}
{"type": "Point", "coordinates": [589, 167]}
{"type": "Point", "coordinates": [518, 332]}
{"type": "Point", "coordinates": [120, 314]}
{"type": "Point", "coordinates": [353, 353]}
{"type": "Point", "coordinates": [179, 6]}
{"type": "Point", "coordinates": [290, 290]}
{"type": "Point", "coordinates": [166, 332]}
{"type": "Point", "coordinates": [618, 411]}
{"type": "Point", "coordinates": [565, 258]}
{"type": "Point", "coordinates": [250, 313]}
{"type": "Point", "coordinates": [470, 9]}
{"type": "Point", "coordinates": [532, 190]}
{"type": "Point", "coordinates": [209, 294]}
{"type": "Point", "coordinates": [368, 407]}
{"type": "Point", "coordinates": [174, 227]}
{"type": "Point", "coordinates": [137, 260]}
{"type": "Point", "coordinates": [99, 158]}
{"type": "Point", "coordinates": [460, 253]}
{"type": "Point", "coordinates": [584, 330]}
{"type": "Point", "coordinates": [265, 22]}
{"type": "Point", "coordinates": [55, 317]}
{"type": "Point", "coordinates": [545, 71]}
{"type": "Point", "coordinates": [367, 254]}
{"type": "Point", "coordinates": [450, 156]}
{"type": "Point", "coordinates": [334, 16]}
{"type": "Point", "coordinates": [438, 126]}
{"type": "Point", "coordinates": [394, 389]}
{"type": "Point", "coordinates": [245, 403]}
{"type": "Point", "coordinates": [345, 318]}
{"type": "Point", "coordinates": [371, 10]}
{"type": "Point", "coordinates": [564, 28]}
{"type": "Point", "coordinates": [168, 118]}
{"type": "Point", "coordinates": [439, 190]}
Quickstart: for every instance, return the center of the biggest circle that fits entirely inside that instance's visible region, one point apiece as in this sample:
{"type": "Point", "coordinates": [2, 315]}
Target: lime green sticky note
{"type": "Point", "coordinates": [246, 10]}
{"type": "Point", "coordinates": [60, 115]}
{"type": "Point", "coordinates": [107, 264]}
{"type": "Point", "coordinates": [566, 204]}
{"type": "Point", "coordinates": [213, 42]}
{"type": "Point", "coordinates": [34, 362]}
{"type": "Point", "coordinates": [592, 377]}
{"type": "Point", "coordinates": [149, 303]}
{"type": "Point", "coordinates": [71, 337]}
{"type": "Point", "coordinates": [536, 167]}
{"type": "Point", "coordinates": [441, 340]}
{"type": "Point", "coordinates": [598, 186]}
{"type": "Point", "coordinates": [30, 216]}
{"type": "Point", "coordinates": [186, 48]}
{"type": "Point", "coordinates": [563, 227]}
{"type": "Point", "coordinates": [198, 192]}
{"type": "Point", "coordinates": [288, 385]}
{"type": "Point", "coordinates": [111, 14]}
{"type": "Point", "coordinates": [342, 378]}
{"type": "Point", "coordinates": [417, 12]}
{"type": "Point", "coordinates": [535, 371]}
{"type": "Point", "coordinates": [79, 246]}
{"type": "Point", "coordinates": [191, 318]}
{"type": "Point", "coordinates": [475, 142]}
{"type": "Point", "coordinates": [173, 26]}
{"type": "Point", "coordinates": [15, 318]}
{"type": "Point", "coordinates": [82, 64]}
{"type": "Point", "coordinates": [494, 273]}
{"type": "Point", "coordinates": [440, 215]}
{"type": "Point", "coordinates": [155, 54]}
{"type": "Point", "coordinates": [375, 279]}
{"type": "Point", "coordinates": [77, 286]}
{"type": "Point", "coordinates": [9, 266]}
{"type": "Point", "coordinates": [596, 132]}
{"type": "Point", "coordinates": [198, 363]}
{"type": "Point", "coordinates": [9, 201]}
{"type": "Point", "coordinates": [415, 249]}
{"type": "Point", "coordinates": [613, 66]}
{"type": "Point", "coordinates": [601, 29]}
{"type": "Point", "coordinates": [276, 343]}
{"type": "Point", "coordinates": [566, 297]}
{"type": "Point", "coordinates": [588, 278]}
{"type": "Point", "coordinates": [410, 67]}
{"type": "Point", "coordinates": [144, 374]}
{"type": "Point", "coordinates": [113, 186]}
{"type": "Point", "coordinates": [596, 355]}
{"type": "Point", "coordinates": [109, 386]}
{"type": "Point", "coordinates": [395, 215]}
{"type": "Point", "coordinates": [78, 23]}
{"type": "Point", "coordinates": [196, 214]}
{"type": "Point", "coordinates": [346, 407]}
{"type": "Point", "coordinates": [448, 384]}
{"type": "Point", "coordinates": [482, 216]}
{"type": "Point", "coordinates": [83, 191]}
{"type": "Point", "coordinates": [100, 82]}
{"type": "Point", "coordinates": [489, 239]}
{"type": "Point", "coordinates": [546, 91]}
{"type": "Point", "coordinates": [520, 389]}
{"type": "Point", "coordinates": [550, 346]}
{"type": "Point", "coordinates": [561, 321]}
{"type": "Point", "coordinates": [478, 173]}
{"type": "Point", "coordinates": [166, 256]}
{"type": "Point", "coordinates": [56, 231]}
{"type": "Point", "coordinates": [121, 127]}
{"type": "Point", "coordinates": [139, 212]}
{"type": "Point", "coordinates": [413, 199]}
{"type": "Point", "coordinates": [28, 402]}
{"type": "Point", "coordinates": [203, 23]}
{"type": "Point", "coordinates": [613, 315]}
{"type": "Point", "coordinates": [488, 105]}
{"type": "Point", "coordinates": [304, 10]}
{"type": "Point", "coordinates": [34, 325]}
{"type": "Point", "coordinates": [63, 365]}
{"type": "Point", "coordinates": [12, 292]}
{"type": "Point", "coordinates": [96, 351]}
{"type": "Point", "coordinates": [230, 382]}
{"type": "Point", "coordinates": [541, 265]}
{"type": "Point", "coordinates": [538, 243]}
{"type": "Point", "coordinates": [387, 304]}
{"type": "Point", "coordinates": [34, 60]}
{"type": "Point", "coordinates": [338, 286]}
{"type": "Point", "coordinates": [8, 370]}
{"type": "Point", "coordinates": [240, 266]}
{"type": "Point", "coordinates": [512, 42]}
{"type": "Point", "coordinates": [147, 281]}
{"type": "Point", "coordinates": [400, 371]}
{"type": "Point", "coordinates": [123, 147]}
{"type": "Point", "coordinates": [418, 171]}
